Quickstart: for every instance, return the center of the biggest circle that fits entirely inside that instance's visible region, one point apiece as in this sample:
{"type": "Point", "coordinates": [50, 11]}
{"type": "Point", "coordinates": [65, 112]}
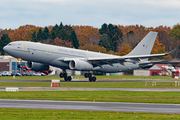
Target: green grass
{"type": "Point", "coordinates": [48, 77]}
{"type": "Point", "coordinates": [101, 77]}
{"type": "Point", "coordinates": [103, 96]}
{"type": "Point", "coordinates": [93, 84]}
{"type": "Point", "coordinates": [30, 114]}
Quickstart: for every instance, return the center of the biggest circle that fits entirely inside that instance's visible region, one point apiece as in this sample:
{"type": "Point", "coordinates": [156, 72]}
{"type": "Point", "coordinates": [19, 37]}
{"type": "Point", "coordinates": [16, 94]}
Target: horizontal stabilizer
{"type": "Point", "coordinates": [171, 52]}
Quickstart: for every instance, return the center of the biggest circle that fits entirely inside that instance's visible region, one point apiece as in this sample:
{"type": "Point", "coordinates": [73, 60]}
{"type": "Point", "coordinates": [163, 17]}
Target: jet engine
{"type": "Point", "coordinates": [145, 64]}
{"type": "Point", "coordinates": [37, 66]}
{"type": "Point", "coordinates": [80, 65]}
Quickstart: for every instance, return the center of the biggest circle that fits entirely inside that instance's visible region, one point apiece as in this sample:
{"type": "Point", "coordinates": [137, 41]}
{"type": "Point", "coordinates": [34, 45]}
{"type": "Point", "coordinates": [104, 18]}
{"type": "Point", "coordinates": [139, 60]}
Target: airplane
{"type": "Point", "coordinates": [39, 56]}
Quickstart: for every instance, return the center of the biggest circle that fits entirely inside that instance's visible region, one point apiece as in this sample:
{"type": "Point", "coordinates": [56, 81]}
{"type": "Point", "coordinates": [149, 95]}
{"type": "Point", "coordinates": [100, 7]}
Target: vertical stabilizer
{"type": "Point", "coordinates": [145, 46]}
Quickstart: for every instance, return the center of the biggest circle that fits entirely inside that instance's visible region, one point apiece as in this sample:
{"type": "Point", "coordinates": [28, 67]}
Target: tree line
{"type": "Point", "coordinates": [111, 39]}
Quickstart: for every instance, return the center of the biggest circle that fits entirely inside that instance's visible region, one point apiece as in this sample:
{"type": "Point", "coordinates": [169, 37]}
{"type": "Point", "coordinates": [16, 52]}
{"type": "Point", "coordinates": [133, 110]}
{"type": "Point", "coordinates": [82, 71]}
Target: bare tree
{"type": "Point", "coordinates": [94, 39]}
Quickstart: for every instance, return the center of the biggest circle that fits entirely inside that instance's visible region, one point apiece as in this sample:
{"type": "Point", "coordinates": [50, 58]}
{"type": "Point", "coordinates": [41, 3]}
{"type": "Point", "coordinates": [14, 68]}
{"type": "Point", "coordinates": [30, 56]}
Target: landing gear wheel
{"type": "Point", "coordinates": [64, 75]}
{"type": "Point", "coordinates": [89, 74]}
{"type": "Point", "coordinates": [65, 79]}
{"type": "Point", "coordinates": [61, 75]}
{"type": "Point", "coordinates": [94, 79]}
{"type": "Point", "coordinates": [69, 78]}
{"type": "Point", "coordinates": [86, 75]}
{"type": "Point", "coordinates": [90, 79]}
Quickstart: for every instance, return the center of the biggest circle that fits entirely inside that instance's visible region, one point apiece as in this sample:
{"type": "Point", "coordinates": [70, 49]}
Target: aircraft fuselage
{"type": "Point", "coordinates": [55, 55]}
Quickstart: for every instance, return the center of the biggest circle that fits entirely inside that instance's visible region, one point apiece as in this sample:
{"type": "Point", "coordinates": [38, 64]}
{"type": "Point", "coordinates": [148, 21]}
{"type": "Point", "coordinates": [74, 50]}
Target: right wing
{"type": "Point", "coordinates": [99, 61]}
{"type": "Point", "coordinates": [121, 59]}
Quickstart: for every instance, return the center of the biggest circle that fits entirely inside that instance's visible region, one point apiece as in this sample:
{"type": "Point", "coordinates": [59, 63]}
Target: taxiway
{"type": "Point", "coordinates": [91, 106]}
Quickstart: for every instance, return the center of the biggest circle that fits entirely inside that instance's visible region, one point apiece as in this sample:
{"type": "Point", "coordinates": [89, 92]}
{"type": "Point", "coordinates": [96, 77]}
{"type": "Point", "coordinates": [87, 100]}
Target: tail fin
{"type": "Point", "coordinates": [145, 46]}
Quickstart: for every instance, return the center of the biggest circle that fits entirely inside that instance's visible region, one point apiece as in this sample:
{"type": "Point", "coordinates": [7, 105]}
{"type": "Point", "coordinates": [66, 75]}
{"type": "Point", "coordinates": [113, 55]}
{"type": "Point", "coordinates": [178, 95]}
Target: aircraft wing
{"type": "Point", "coordinates": [121, 59]}
{"type": "Point", "coordinates": [99, 61]}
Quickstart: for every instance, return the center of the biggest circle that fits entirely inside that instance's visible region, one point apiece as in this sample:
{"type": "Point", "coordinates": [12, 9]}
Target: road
{"type": "Point", "coordinates": [91, 106]}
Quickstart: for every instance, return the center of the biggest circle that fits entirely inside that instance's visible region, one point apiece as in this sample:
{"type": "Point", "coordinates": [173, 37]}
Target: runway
{"type": "Point", "coordinates": [88, 89]}
{"type": "Point", "coordinates": [91, 106]}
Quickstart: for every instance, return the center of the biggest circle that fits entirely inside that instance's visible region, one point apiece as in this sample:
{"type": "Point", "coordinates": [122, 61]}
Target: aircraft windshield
{"type": "Point", "coordinates": [9, 44]}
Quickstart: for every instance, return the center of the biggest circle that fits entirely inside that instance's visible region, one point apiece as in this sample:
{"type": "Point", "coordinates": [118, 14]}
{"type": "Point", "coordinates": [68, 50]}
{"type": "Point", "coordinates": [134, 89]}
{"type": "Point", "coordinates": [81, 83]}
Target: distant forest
{"type": "Point", "coordinates": [111, 39]}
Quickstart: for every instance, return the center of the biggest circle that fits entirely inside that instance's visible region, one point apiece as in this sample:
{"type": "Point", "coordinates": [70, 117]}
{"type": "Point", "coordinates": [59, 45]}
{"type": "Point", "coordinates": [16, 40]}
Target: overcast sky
{"type": "Point", "coordinates": [15, 13]}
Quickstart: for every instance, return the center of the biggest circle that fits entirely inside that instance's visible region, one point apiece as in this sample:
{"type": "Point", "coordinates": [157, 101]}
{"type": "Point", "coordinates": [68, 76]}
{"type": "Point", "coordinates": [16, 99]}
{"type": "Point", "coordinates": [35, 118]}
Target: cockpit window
{"type": "Point", "coordinates": [9, 44]}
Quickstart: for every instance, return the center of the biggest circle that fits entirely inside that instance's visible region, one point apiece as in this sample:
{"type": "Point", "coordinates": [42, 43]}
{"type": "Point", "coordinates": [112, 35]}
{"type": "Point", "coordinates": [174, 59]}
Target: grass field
{"type": "Point", "coordinates": [93, 84]}
{"type": "Point", "coordinates": [100, 77]}
{"type": "Point", "coordinates": [28, 114]}
{"type": "Point", "coordinates": [102, 96]}
{"type": "Point", "coordinates": [159, 84]}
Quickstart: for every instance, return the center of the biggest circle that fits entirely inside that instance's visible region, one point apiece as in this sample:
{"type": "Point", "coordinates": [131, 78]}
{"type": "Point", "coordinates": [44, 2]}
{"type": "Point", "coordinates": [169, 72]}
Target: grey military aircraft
{"type": "Point", "coordinates": [40, 56]}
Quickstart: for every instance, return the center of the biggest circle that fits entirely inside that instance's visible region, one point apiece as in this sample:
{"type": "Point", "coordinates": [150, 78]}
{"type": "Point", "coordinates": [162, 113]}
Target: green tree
{"type": "Point", "coordinates": [53, 35]}
{"type": "Point", "coordinates": [74, 40]}
{"type": "Point", "coordinates": [103, 29]}
{"type": "Point", "coordinates": [61, 26]}
{"type": "Point", "coordinates": [114, 33]}
{"type": "Point", "coordinates": [45, 33]}
{"type": "Point", "coordinates": [34, 37]}
{"type": "Point", "coordinates": [39, 35]}
{"type": "Point", "coordinates": [105, 42]}
{"type": "Point", "coordinates": [56, 28]}
{"type": "Point", "coordinates": [175, 32]}
{"type": "Point", "coordinates": [63, 35]}
{"type": "Point", "coordinates": [4, 41]}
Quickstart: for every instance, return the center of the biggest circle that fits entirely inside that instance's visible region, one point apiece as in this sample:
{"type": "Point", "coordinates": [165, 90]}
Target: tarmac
{"type": "Point", "coordinates": [91, 106]}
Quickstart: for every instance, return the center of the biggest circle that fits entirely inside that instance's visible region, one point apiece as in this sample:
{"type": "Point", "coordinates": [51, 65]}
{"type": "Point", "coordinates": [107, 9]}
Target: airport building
{"type": "Point", "coordinates": [8, 63]}
{"type": "Point", "coordinates": [156, 69]}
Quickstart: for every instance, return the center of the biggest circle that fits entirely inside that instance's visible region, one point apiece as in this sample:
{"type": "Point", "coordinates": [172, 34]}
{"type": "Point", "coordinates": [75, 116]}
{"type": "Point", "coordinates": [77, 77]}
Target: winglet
{"type": "Point", "coordinates": [171, 52]}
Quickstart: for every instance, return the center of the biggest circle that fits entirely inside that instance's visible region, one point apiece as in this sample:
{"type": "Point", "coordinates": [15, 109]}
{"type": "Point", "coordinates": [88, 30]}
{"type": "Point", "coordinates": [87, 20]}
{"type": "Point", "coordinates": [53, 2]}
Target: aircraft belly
{"type": "Point", "coordinates": [60, 64]}
{"type": "Point", "coordinates": [115, 68]}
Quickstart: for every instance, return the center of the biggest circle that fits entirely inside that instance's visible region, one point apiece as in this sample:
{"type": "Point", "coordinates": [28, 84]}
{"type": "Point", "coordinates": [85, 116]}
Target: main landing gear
{"type": "Point", "coordinates": [64, 75]}
{"type": "Point", "coordinates": [91, 79]}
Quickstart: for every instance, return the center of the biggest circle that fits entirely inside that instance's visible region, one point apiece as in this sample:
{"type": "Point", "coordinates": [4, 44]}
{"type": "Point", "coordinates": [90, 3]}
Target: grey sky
{"type": "Point", "coordinates": [15, 13]}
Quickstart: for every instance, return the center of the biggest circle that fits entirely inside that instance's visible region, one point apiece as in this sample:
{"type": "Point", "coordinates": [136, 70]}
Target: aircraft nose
{"type": "Point", "coordinates": [5, 48]}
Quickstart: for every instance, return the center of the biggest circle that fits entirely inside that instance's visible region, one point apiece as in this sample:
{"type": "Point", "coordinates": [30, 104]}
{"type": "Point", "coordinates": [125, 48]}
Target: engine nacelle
{"type": "Point", "coordinates": [37, 66]}
{"type": "Point", "coordinates": [80, 65]}
{"type": "Point", "coordinates": [146, 66]}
